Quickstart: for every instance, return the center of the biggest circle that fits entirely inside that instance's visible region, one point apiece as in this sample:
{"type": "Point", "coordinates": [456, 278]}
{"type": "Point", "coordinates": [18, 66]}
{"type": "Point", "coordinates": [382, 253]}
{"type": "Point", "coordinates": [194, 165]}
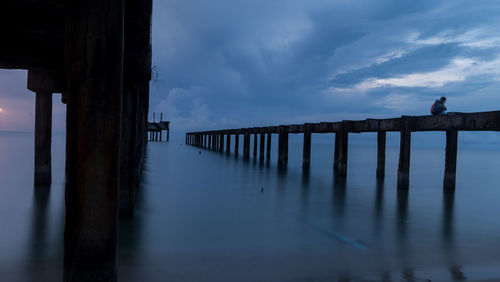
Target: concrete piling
{"type": "Point", "coordinates": [450, 160]}
{"type": "Point", "coordinates": [43, 138]}
{"type": "Point", "coordinates": [381, 140]}
{"type": "Point", "coordinates": [404, 153]}
{"type": "Point", "coordinates": [306, 151]}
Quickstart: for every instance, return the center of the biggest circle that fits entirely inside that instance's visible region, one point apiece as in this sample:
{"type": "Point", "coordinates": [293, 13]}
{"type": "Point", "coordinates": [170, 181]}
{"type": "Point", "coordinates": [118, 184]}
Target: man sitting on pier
{"type": "Point", "coordinates": [438, 107]}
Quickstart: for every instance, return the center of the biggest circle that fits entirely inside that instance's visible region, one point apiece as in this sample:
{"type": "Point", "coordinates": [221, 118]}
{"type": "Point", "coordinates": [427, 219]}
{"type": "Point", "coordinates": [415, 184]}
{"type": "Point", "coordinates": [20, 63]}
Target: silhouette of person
{"type": "Point", "coordinates": [438, 107]}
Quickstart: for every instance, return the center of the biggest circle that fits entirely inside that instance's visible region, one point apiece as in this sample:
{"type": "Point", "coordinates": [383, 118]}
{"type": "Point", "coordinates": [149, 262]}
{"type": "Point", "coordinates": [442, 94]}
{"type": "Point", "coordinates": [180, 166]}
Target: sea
{"type": "Point", "coordinates": [210, 216]}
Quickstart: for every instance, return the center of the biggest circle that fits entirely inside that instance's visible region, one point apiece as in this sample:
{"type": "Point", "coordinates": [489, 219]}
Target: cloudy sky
{"type": "Point", "coordinates": [240, 63]}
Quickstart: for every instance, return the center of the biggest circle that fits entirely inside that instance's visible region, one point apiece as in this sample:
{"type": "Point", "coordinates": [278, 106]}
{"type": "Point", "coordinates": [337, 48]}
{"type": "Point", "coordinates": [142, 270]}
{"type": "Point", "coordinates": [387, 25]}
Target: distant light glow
{"type": "Point", "coordinates": [1, 110]}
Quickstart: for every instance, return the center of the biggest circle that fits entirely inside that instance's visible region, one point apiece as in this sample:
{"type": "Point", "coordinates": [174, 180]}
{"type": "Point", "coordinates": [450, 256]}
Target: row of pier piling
{"type": "Point", "coordinates": [220, 140]}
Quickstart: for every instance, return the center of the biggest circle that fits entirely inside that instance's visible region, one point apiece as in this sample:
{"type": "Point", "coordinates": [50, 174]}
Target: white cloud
{"type": "Point", "coordinates": [478, 38]}
{"type": "Point", "coordinates": [459, 69]}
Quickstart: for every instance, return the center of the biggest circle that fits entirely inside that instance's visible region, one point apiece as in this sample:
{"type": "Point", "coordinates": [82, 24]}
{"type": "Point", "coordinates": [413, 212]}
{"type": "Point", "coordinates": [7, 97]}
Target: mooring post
{"type": "Point", "coordinates": [43, 138]}
{"type": "Point", "coordinates": [343, 151]}
{"type": "Point", "coordinates": [283, 145]}
{"type": "Point", "coordinates": [228, 143]}
{"type": "Point", "coordinates": [381, 140]}
{"type": "Point", "coordinates": [255, 144]}
{"type": "Point", "coordinates": [268, 145]}
{"type": "Point", "coordinates": [336, 155]}
{"type": "Point", "coordinates": [450, 166]}
{"type": "Point", "coordinates": [262, 146]}
{"type": "Point", "coordinates": [153, 116]}
{"type": "Point", "coordinates": [246, 145]}
{"type": "Point", "coordinates": [306, 152]}
{"type": "Point", "coordinates": [404, 153]}
{"type": "Point", "coordinates": [93, 117]}
{"type": "Point", "coordinates": [168, 133]}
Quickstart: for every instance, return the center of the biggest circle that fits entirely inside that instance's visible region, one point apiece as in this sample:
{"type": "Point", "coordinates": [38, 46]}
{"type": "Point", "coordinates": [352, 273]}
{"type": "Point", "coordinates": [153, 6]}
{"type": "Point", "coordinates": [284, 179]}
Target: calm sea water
{"type": "Point", "coordinates": [202, 216]}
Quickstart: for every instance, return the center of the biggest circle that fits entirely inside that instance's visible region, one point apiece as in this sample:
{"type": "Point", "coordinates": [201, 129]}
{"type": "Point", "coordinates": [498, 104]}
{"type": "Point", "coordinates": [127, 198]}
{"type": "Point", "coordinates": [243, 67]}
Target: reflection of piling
{"type": "Point", "coordinates": [451, 124]}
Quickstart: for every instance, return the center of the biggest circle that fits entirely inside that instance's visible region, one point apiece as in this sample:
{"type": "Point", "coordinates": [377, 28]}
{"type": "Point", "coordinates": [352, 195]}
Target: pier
{"type": "Point", "coordinates": [451, 123]}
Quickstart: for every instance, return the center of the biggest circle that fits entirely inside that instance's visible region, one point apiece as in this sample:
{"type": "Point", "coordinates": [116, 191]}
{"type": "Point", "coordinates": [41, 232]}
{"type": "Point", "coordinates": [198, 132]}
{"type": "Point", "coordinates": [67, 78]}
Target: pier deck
{"type": "Point", "coordinates": [451, 123]}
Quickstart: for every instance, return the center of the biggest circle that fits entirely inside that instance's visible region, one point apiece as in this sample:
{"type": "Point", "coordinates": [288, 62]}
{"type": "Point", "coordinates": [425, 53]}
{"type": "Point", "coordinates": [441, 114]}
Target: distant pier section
{"type": "Point", "coordinates": [155, 129]}
{"type": "Point", "coordinates": [452, 123]}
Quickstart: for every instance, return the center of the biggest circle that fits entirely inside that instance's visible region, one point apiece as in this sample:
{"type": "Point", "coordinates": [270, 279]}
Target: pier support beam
{"type": "Point", "coordinates": [268, 145]}
{"type": "Point", "coordinates": [283, 145]}
{"type": "Point", "coordinates": [94, 60]}
{"type": "Point", "coordinates": [228, 144]}
{"type": "Point", "coordinates": [343, 146]}
{"type": "Point", "coordinates": [246, 145]}
{"type": "Point", "coordinates": [404, 153]}
{"type": "Point", "coordinates": [262, 146]}
{"type": "Point", "coordinates": [336, 154]}
{"type": "Point", "coordinates": [236, 144]}
{"type": "Point", "coordinates": [221, 142]}
{"type": "Point", "coordinates": [306, 151]}
{"type": "Point", "coordinates": [255, 145]}
{"type": "Point", "coordinates": [381, 144]}
{"type": "Point", "coordinates": [450, 167]}
{"type": "Point", "coordinates": [43, 138]}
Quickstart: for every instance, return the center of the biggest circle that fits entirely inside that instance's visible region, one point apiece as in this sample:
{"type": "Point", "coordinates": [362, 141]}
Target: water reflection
{"type": "Point", "coordinates": [39, 225]}
{"type": "Point", "coordinates": [448, 237]}
{"type": "Point", "coordinates": [379, 205]}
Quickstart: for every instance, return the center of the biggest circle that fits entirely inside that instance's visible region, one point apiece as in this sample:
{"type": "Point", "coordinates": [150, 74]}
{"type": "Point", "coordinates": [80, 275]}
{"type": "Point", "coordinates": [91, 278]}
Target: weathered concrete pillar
{"type": "Point", "coordinates": [404, 153]}
{"type": "Point", "coordinates": [343, 147]}
{"type": "Point", "coordinates": [187, 138]}
{"type": "Point", "coordinates": [136, 74]}
{"type": "Point", "coordinates": [246, 145]}
{"type": "Point", "coordinates": [236, 144]}
{"type": "Point", "coordinates": [336, 155]}
{"type": "Point", "coordinates": [94, 60]}
{"type": "Point", "coordinates": [255, 145]}
{"type": "Point", "coordinates": [450, 166]}
{"type": "Point", "coordinates": [212, 147]}
{"type": "Point", "coordinates": [168, 135]}
{"type": "Point", "coordinates": [306, 152]}
{"type": "Point", "coordinates": [228, 143]}
{"type": "Point", "coordinates": [160, 136]}
{"type": "Point", "coordinates": [283, 145]}
{"type": "Point", "coordinates": [262, 146]}
{"type": "Point", "coordinates": [43, 138]}
{"type": "Point", "coordinates": [221, 142]}
{"type": "Point", "coordinates": [128, 156]}
{"type": "Point", "coordinates": [44, 83]}
{"type": "Point", "coordinates": [268, 145]}
{"type": "Point", "coordinates": [381, 138]}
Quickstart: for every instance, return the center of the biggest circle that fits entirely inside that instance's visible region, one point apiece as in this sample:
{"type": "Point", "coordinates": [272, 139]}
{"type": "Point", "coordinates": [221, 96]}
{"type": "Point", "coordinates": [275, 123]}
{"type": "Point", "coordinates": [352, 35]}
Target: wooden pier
{"type": "Point", "coordinates": [451, 124]}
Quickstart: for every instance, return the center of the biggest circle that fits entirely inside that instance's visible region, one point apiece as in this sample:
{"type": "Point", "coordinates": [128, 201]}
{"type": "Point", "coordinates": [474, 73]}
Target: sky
{"type": "Point", "coordinates": [239, 63]}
